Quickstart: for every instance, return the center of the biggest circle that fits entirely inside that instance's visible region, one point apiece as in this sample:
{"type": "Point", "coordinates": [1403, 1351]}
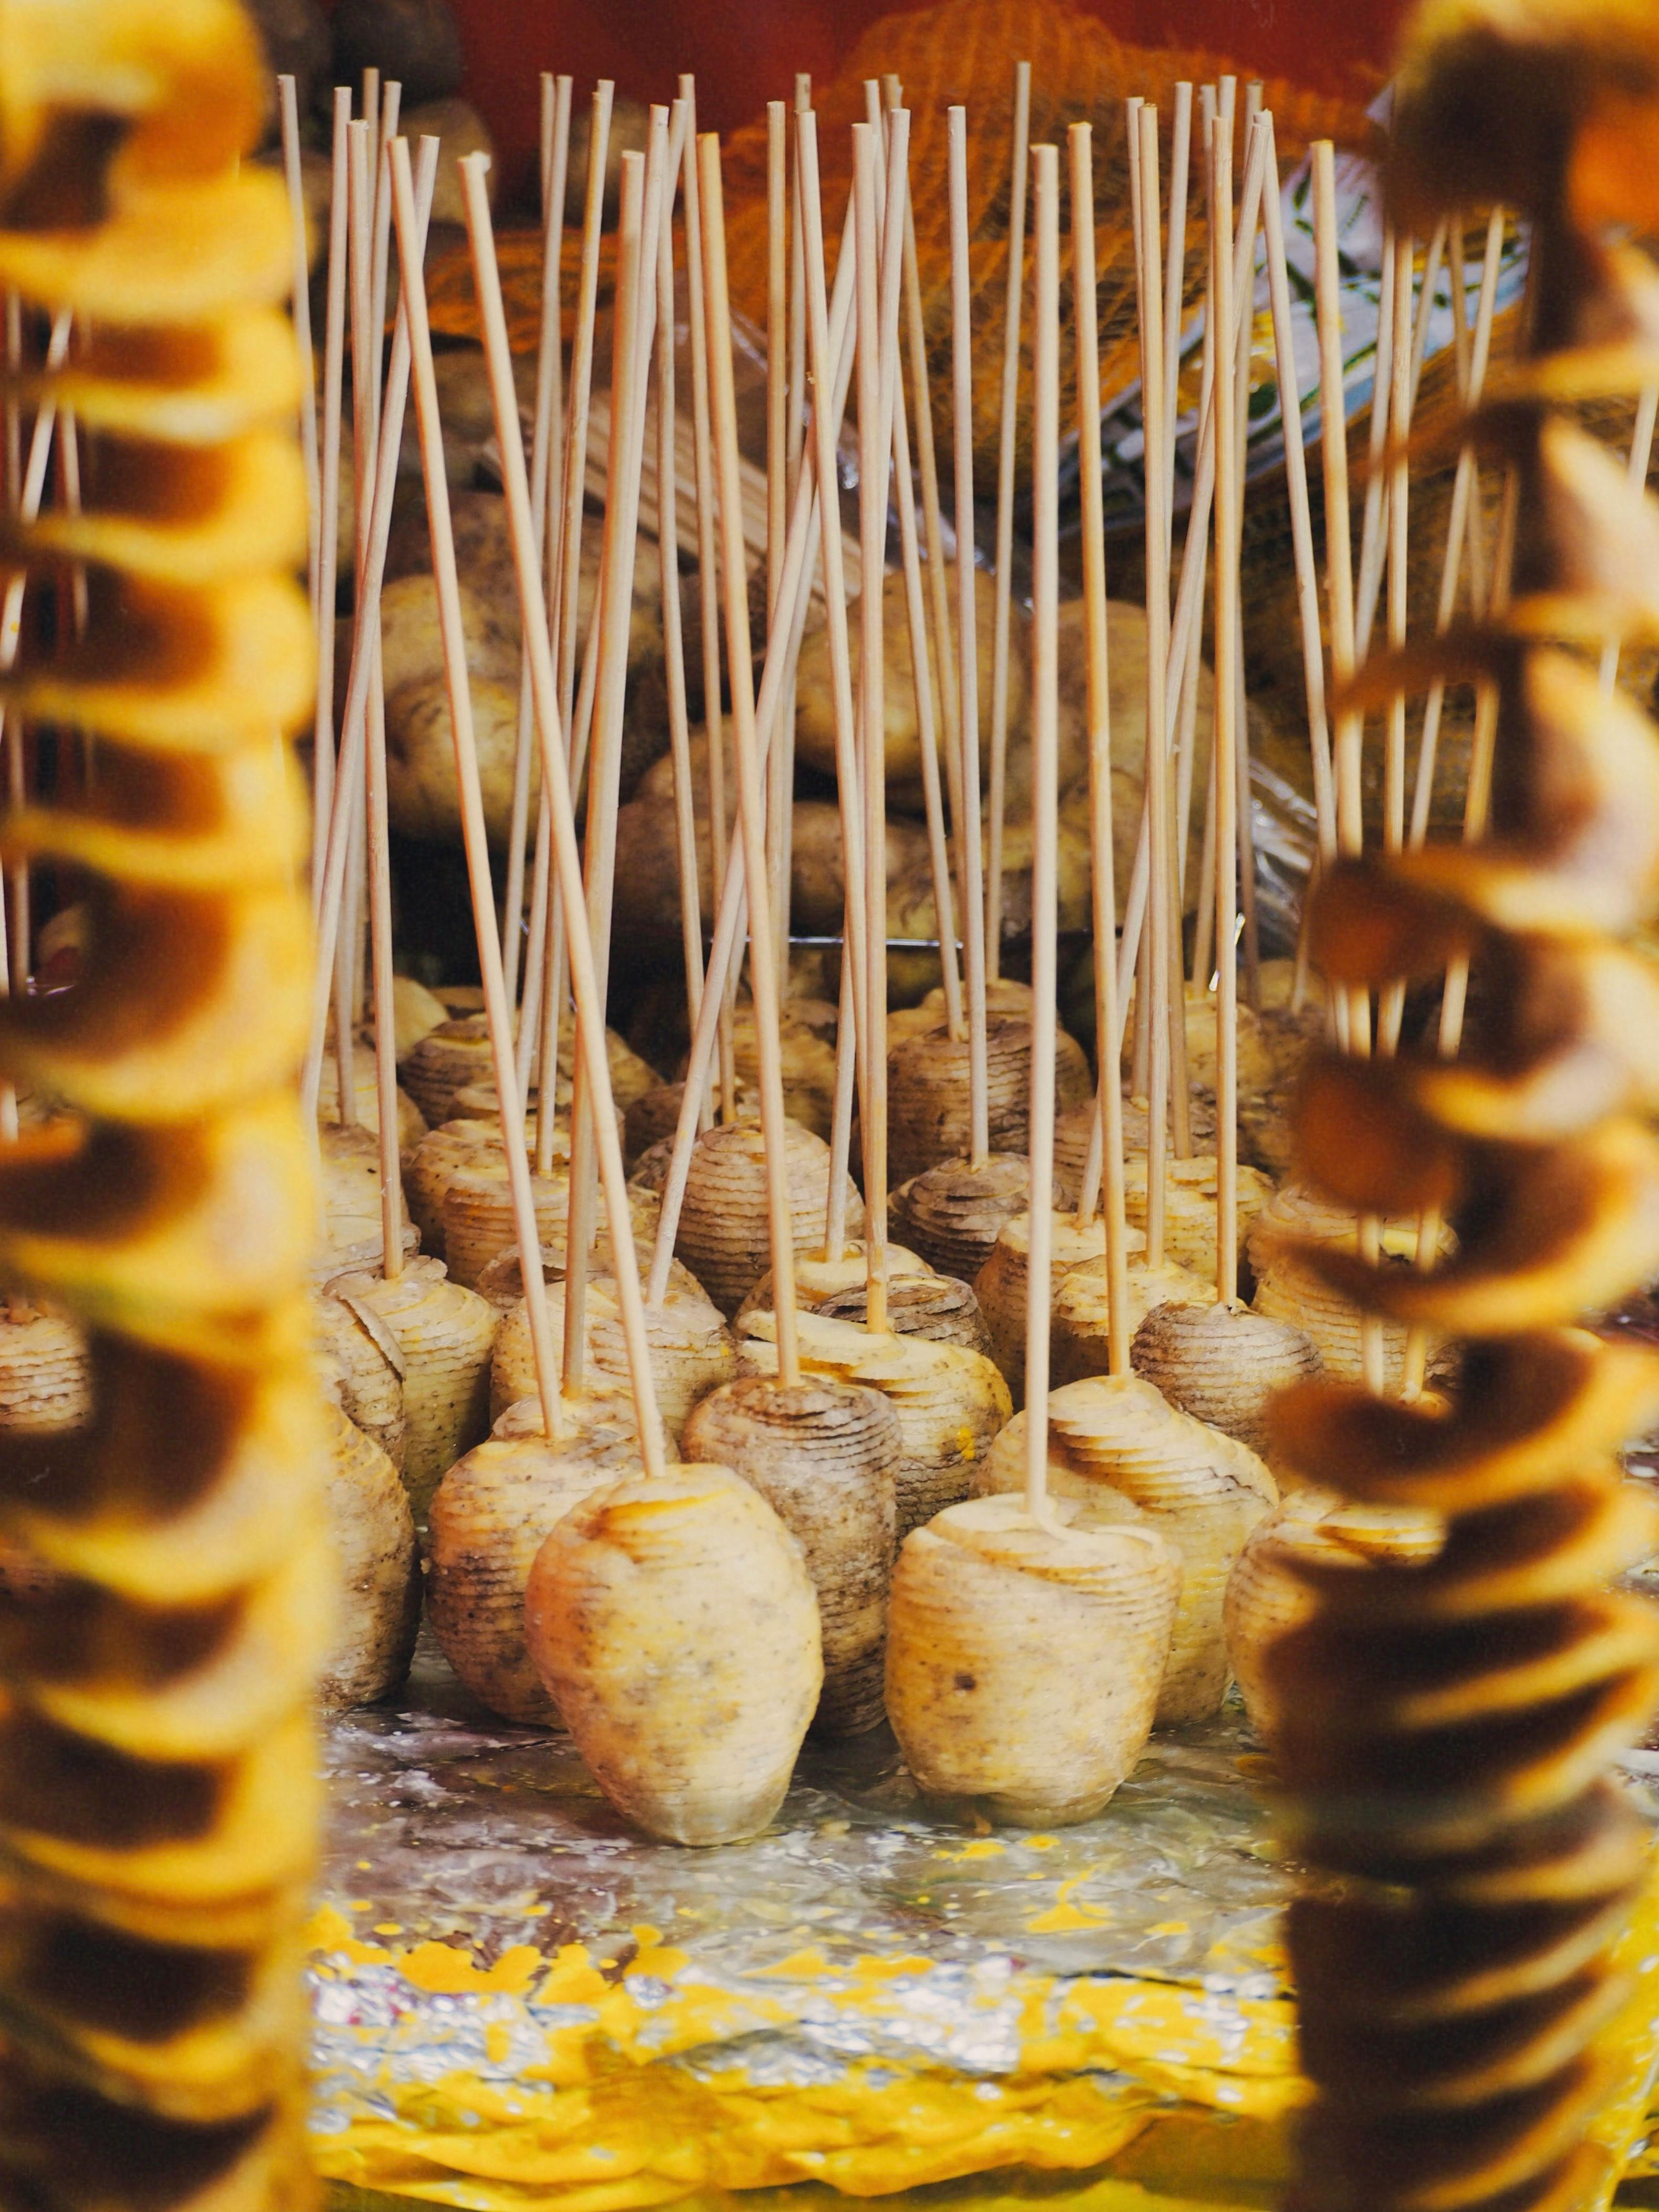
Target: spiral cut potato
{"type": "Point", "coordinates": [1082, 1314]}
{"type": "Point", "coordinates": [950, 1401]}
{"type": "Point", "coordinates": [1223, 1364]}
{"type": "Point", "coordinates": [1443, 1729]}
{"type": "Point", "coordinates": [158, 1797]}
{"type": "Point", "coordinates": [823, 1274]}
{"type": "Point", "coordinates": [362, 1369]}
{"type": "Point", "coordinates": [489, 1516]}
{"type": "Point", "coordinates": [1268, 1595]}
{"type": "Point", "coordinates": [1023, 1667]}
{"type": "Point", "coordinates": [825, 1455]}
{"type": "Point", "coordinates": [433, 1166]}
{"type": "Point", "coordinates": [723, 1236]}
{"type": "Point", "coordinates": [937, 1307]}
{"type": "Point", "coordinates": [1114, 1442]}
{"type": "Point", "coordinates": [366, 1098]}
{"type": "Point", "coordinates": [353, 1231]}
{"type": "Point", "coordinates": [952, 1213]}
{"type": "Point", "coordinates": [1000, 1285]}
{"type": "Point", "coordinates": [691, 1348]}
{"type": "Point", "coordinates": [46, 1380]}
{"type": "Point", "coordinates": [445, 1334]}
{"type": "Point", "coordinates": [927, 1089]}
{"type": "Point", "coordinates": [626, 1584]}
{"type": "Point", "coordinates": [378, 1570]}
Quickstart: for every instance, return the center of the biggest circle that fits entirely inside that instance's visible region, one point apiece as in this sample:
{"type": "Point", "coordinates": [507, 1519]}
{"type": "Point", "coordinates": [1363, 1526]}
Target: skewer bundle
{"type": "Point", "coordinates": [1443, 1732]}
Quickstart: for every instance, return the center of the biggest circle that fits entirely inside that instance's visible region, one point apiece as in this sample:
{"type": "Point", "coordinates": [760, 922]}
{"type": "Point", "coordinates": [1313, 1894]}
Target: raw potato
{"type": "Point", "coordinates": [1203, 1491]}
{"type": "Point", "coordinates": [420, 756]}
{"type": "Point", "coordinates": [951, 1402]}
{"type": "Point", "coordinates": [675, 1626]}
{"type": "Point", "coordinates": [420, 764]}
{"type": "Point", "coordinates": [1022, 1667]}
{"type": "Point", "coordinates": [379, 1570]}
{"type": "Point", "coordinates": [1223, 1364]}
{"type": "Point", "coordinates": [489, 1516]}
{"type": "Point", "coordinates": [815, 724]}
{"type": "Point", "coordinates": [445, 1334]}
{"type": "Point", "coordinates": [824, 1456]}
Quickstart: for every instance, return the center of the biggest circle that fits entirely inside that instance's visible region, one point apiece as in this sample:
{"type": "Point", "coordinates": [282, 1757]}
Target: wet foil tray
{"type": "Point", "coordinates": [516, 2000]}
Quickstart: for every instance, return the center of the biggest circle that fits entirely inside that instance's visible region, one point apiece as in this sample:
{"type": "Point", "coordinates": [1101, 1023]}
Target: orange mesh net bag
{"type": "Point", "coordinates": [963, 52]}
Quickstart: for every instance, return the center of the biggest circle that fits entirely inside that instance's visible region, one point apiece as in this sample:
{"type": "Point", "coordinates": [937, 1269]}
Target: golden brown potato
{"type": "Point", "coordinates": [676, 1628]}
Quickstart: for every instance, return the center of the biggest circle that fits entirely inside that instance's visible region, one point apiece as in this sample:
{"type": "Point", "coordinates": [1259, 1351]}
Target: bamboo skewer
{"type": "Point", "coordinates": [851, 1045]}
{"type": "Point", "coordinates": [1296, 476]}
{"type": "Point", "coordinates": [1002, 638]}
{"type": "Point", "coordinates": [546, 961]}
{"type": "Point", "coordinates": [1464, 525]}
{"type": "Point", "coordinates": [1186, 628]}
{"type": "Point", "coordinates": [879, 275]}
{"type": "Point", "coordinates": [804, 522]}
{"type": "Point", "coordinates": [916, 625]}
{"type": "Point", "coordinates": [968, 820]}
{"type": "Point", "coordinates": [1244, 297]}
{"type": "Point", "coordinates": [709, 565]}
{"type": "Point", "coordinates": [329, 493]}
{"type": "Point", "coordinates": [1175, 282]}
{"type": "Point", "coordinates": [938, 584]}
{"type": "Point", "coordinates": [366, 431]}
{"type": "Point", "coordinates": [1045, 823]}
{"type": "Point", "coordinates": [781, 787]}
{"type": "Point", "coordinates": [871, 711]}
{"type": "Point", "coordinates": [1157, 998]}
{"type": "Point", "coordinates": [1340, 582]}
{"type": "Point", "coordinates": [566, 869]}
{"type": "Point", "coordinates": [635, 318]}
{"type": "Point", "coordinates": [555, 153]}
{"type": "Point", "coordinates": [679, 731]}
{"type": "Point", "coordinates": [1392, 1005]}
{"type": "Point", "coordinates": [349, 778]}
{"type": "Point", "coordinates": [1225, 751]}
{"type": "Point", "coordinates": [797, 294]}
{"type": "Point", "coordinates": [541, 1037]}
{"type": "Point", "coordinates": [1086, 319]}
{"type": "Point", "coordinates": [762, 965]}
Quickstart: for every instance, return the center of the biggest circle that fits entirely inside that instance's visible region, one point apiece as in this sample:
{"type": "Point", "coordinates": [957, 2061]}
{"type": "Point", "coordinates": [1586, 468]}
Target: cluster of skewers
{"type": "Point", "coordinates": [856, 1358]}
{"type": "Point", "coordinates": [521, 1388]}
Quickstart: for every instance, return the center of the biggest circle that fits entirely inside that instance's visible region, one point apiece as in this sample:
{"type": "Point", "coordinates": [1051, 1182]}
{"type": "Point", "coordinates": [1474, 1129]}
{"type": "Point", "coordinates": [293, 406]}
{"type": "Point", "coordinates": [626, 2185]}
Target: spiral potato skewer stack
{"type": "Point", "coordinates": [1443, 1726]}
{"type": "Point", "coordinates": [158, 1794]}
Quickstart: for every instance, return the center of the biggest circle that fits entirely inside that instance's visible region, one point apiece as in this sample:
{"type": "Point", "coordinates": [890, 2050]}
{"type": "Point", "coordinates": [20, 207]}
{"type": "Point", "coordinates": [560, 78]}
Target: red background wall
{"type": "Point", "coordinates": [745, 51]}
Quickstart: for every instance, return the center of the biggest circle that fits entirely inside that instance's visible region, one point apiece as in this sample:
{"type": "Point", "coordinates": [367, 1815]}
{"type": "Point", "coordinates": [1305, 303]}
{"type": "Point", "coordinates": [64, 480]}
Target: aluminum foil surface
{"type": "Point", "coordinates": [517, 2000]}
